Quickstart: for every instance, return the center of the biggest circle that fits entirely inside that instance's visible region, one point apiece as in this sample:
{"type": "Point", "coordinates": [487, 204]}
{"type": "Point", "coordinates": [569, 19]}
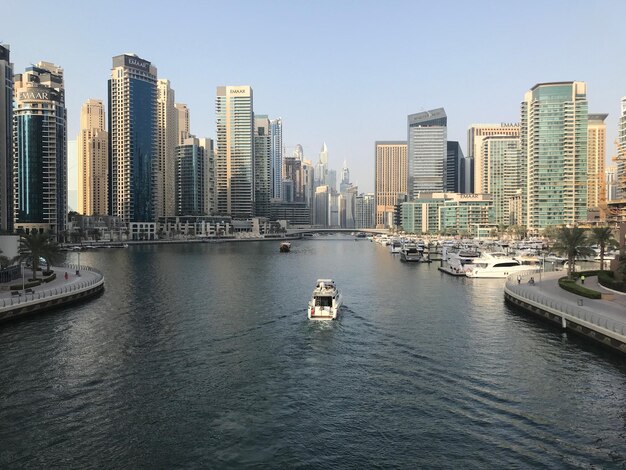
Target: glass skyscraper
{"type": "Point", "coordinates": [554, 147]}
{"type": "Point", "coordinates": [191, 178]}
{"type": "Point", "coordinates": [235, 151]}
{"type": "Point", "coordinates": [133, 138]}
{"type": "Point", "coordinates": [427, 151]}
{"type": "Point", "coordinates": [40, 150]}
{"type": "Point", "coordinates": [6, 139]}
{"type": "Point", "coordinates": [262, 165]}
{"type": "Point", "coordinates": [276, 159]}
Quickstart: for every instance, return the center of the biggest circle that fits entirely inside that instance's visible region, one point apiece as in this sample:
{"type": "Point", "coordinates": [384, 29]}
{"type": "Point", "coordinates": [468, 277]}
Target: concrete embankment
{"type": "Point", "coordinates": [601, 320]}
{"type": "Point", "coordinates": [80, 284]}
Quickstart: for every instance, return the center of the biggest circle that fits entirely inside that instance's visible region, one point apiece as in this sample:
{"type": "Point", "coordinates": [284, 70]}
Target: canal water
{"type": "Point", "coordinates": [201, 355]}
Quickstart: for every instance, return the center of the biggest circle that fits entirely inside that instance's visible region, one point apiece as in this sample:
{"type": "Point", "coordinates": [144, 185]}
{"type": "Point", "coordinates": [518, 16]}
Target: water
{"type": "Point", "coordinates": [201, 356]}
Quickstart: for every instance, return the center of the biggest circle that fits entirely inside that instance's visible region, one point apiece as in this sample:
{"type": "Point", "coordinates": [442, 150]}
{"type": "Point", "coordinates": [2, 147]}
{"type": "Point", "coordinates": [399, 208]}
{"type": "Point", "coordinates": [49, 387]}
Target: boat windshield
{"type": "Point", "coordinates": [323, 301]}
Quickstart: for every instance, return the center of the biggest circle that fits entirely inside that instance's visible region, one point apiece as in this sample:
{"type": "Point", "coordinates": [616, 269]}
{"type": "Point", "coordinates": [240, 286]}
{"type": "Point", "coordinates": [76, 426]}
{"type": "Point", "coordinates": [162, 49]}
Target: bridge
{"type": "Point", "coordinates": [302, 231]}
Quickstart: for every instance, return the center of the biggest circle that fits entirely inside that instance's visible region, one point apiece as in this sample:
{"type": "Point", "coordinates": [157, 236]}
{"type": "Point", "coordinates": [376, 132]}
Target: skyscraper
{"type": "Point", "coordinates": [167, 140]}
{"type": "Point", "coordinates": [475, 135]}
{"type": "Point", "coordinates": [294, 176]}
{"type": "Point", "coordinates": [321, 169]}
{"type": "Point", "coordinates": [621, 153]}
{"type": "Point", "coordinates": [93, 160]}
{"type": "Point", "coordinates": [345, 178]}
{"type": "Point", "coordinates": [503, 173]}
{"type": "Point", "coordinates": [596, 159]}
{"type": "Point", "coordinates": [391, 175]}
{"type": "Point", "coordinates": [235, 151]}
{"type": "Point", "coordinates": [262, 165]}
{"type": "Point", "coordinates": [133, 138]}
{"type": "Point", "coordinates": [427, 151]}
{"type": "Point", "coordinates": [6, 139]}
{"type": "Point", "coordinates": [276, 158]}
{"type": "Point", "coordinates": [191, 178]}
{"type": "Point", "coordinates": [554, 147]}
{"type": "Point", "coordinates": [454, 167]}
{"type": "Point", "coordinates": [365, 211]}
{"type": "Point", "coordinates": [40, 149]}
{"type": "Point", "coordinates": [184, 125]}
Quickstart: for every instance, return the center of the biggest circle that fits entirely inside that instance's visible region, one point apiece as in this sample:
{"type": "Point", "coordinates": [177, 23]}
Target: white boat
{"type": "Point", "coordinates": [411, 252]}
{"type": "Point", "coordinates": [285, 247]}
{"type": "Point", "coordinates": [395, 246]}
{"type": "Point", "coordinates": [495, 265]}
{"type": "Point", "coordinates": [326, 301]}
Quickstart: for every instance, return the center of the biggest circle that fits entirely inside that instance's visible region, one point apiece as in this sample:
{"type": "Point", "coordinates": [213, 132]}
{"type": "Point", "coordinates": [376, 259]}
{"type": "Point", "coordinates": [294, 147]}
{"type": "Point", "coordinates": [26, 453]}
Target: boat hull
{"type": "Point", "coordinates": [324, 313]}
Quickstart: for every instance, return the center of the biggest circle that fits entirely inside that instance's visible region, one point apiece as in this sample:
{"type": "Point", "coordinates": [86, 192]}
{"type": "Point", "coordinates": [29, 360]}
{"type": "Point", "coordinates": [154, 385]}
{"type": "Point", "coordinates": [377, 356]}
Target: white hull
{"type": "Point", "coordinates": [496, 273]}
{"type": "Point", "coordinates": [325, 313]}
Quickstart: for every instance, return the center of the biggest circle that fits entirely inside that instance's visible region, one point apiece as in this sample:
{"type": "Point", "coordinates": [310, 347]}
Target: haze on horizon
{"type": "Point", "coordinates": [345, 73]}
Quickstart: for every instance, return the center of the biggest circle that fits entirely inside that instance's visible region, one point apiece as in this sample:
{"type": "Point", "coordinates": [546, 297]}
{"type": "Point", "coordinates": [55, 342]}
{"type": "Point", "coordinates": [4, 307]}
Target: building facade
{"type": "Point", "coordinates": [276, 158]}
{"type": "Point", "coordinates": [191, 178]}
{"type": "Point", "coordinates": [184, 122]}
{"type": "Point", "coordinates": [391, 177]}
{"type": "Point", "coordinates": [620, 170]}
{"type": "Point", "coordinates": [475, 135]}
{"type": "Point", "coordinates": [133, 138]}
{"type": "Point", "coordinates": [502, 173]}
{"type": "Point", "coordinates": [596, 160]}
{"type": "Point", "coordinates": [93, 160]}
{"type": "Point", "coordinates": [6, 139]}
{"type": "Point", "coordinates": [235, 151]}
{"type": "Point", "coordinates": [365, 211]}
{"type": "Point", "coordinates": [427, 151]}
{"type": "Point", "coordinates": [454, 167]}
{"type": "Point", "coordinates": [40, 150]}
{"type": "Point", "coordinates": [554, 147]}
{"type": "Point", "coordinates": [167, 140]}
{"type": "Point", "coordinates": [262, 165]}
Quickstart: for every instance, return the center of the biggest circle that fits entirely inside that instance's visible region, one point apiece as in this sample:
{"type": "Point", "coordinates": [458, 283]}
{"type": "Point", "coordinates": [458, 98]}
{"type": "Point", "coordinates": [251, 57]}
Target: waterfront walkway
{"type": "Point", "coordinates": [604, 316]}
{"type": "Point", "coordinates": [86, 279]}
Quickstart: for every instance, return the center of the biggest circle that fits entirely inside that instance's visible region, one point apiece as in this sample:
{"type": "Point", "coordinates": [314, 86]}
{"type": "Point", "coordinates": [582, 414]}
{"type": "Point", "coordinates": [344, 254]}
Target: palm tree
{"type": "Point", "coordinates": [37, 245]}
{"type": "Point", "coordinates": [603, 237]}
{"type": "Point", "coordinates": [572, 242]}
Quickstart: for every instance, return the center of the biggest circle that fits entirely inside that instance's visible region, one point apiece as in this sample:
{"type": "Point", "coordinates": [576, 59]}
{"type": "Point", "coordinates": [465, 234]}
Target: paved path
{"type": "Point", "coordinates": [73, 281]}
{"type": "Point", "coordinates": [547, 286]}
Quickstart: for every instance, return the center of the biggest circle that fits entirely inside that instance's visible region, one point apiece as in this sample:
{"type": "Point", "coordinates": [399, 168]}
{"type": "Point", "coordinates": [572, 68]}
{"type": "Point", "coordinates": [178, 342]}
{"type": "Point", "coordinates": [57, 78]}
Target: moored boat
{"type": "Point", "coordinates": [495, 265]}
{"type": "Point", "coordinates": [325, 302]}
{"type": "Point", "coordinates": [285, 247]}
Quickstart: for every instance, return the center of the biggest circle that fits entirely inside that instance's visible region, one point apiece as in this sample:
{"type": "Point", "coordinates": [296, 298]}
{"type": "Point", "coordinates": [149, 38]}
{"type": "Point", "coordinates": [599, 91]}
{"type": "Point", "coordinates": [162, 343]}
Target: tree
{"type": "Point", "coordinates": [572, 242]}
{"type": "Point", "coordinates": [603, 237]}
{"type": "Point", "coordinates": [37, 245]}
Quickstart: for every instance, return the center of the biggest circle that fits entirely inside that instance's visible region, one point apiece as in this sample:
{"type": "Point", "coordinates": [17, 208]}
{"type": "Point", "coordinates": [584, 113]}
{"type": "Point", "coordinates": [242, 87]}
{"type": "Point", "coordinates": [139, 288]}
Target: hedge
{"type": "Point", "coordinates": [577, 289]}
{"type": "Point", "coordinates": [607, 279]}
{"type": "Point", "coordinates": [31, 283]}
{"type": "Point", "coordinates": [50, 278]}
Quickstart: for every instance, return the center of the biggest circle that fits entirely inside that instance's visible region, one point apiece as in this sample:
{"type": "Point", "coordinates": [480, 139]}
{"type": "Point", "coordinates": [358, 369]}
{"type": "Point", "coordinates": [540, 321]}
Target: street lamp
{"type": "Point", "coordinates": [78, 269]}
{"type": "Point", "coordinates": [23, 278]}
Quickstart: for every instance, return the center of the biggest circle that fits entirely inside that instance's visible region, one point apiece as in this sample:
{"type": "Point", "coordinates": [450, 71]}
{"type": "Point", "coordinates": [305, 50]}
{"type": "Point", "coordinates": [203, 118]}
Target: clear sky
{"type": "Point", "coordinates": [344, 72]}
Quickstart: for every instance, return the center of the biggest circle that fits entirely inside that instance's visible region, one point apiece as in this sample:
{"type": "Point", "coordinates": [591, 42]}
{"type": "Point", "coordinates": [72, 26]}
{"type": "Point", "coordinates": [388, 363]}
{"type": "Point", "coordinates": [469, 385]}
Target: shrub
{"type": "Point", "coordinates": [31, 283]}
{"type": "Point", "coordinates": [50, 278]}
{"type": "Point", "coordinates": [607, 279]}
{"type": "Point", "coordinates": [574, 288]}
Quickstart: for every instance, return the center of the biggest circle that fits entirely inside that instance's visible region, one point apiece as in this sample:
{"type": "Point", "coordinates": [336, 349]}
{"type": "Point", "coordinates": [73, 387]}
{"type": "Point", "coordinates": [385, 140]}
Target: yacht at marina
{"type": "Point", "coordinates": [495, 265]}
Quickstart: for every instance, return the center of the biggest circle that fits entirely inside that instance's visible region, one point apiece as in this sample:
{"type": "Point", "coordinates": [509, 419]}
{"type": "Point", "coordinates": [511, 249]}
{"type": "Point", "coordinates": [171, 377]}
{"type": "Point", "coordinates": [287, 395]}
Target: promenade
{"type": "Point", "coordinates": [603, 320]}
{"type": "Point", "coordinates": [80, 283]}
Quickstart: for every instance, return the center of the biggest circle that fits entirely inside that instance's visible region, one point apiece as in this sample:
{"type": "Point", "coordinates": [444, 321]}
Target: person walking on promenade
{"type": "Point", "coordinates": [582, 279]}
{"type": "Point", "coordinates": [519, 279]}
{"type": "Point", "coordinates": [66, 276]}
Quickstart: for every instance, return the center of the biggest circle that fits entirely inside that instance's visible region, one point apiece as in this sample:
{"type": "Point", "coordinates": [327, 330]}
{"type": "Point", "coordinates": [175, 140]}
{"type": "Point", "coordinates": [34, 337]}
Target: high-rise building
{"type": "Point", "coordinates": [294, 176]}
{"type": "Point", "coordinates": [321, 206]}
{"type": "Point", "coordinates": [298, 152]}
{"type": "Point", "coordinates": [365, 211]}
{"type": "Point", "coordinates": [347, 207]}
{"type": "Point", "coordinates": [40, 149]}
{"type": "Point", "coordinates": [235, 151]}
{"type": "Point", "coordinates": [93, 160]}
{"type": "Point", "coordinates": [345, 178]}
{"type": "Point", "coordinates": [321, 169]}
{"type": "Point", "coordinates": [6, 139]}
{"type": "Point", "coordinates": [167, 140]}
{"type": "Point", "coordinates": [503, 173]}
{"type": "Point", "coordinates": [621, 153]}
{"type": "Point", "coordinates": [276, 158]}
{"type": "Point", "coordinates": [427, 151]}
{"type": "Point", "coordinates": [611, 182]}
{"type": "Point", "coordinates": [191, 178]}
{"type": "Point", "coordinates": [475, 135]}
{"type": "Point", "coordinates": [210, 201]}
{"type": "Point", "coordinates": [596, 159]}
{"type": "Point", "coordinates": [133, 138]}
{"type": "Point", "coordinates": [554, 147]}
{"type": "Point", "coordinates": [391, 175]}
{"type": "Point", "coordinates": [184, 124]}
{"type": "Point", "coordinates": [262, 165]}
{"type": "Point", "coordinates": [454, 167]}
{"type": "Point", "coordinates": [308, 182]}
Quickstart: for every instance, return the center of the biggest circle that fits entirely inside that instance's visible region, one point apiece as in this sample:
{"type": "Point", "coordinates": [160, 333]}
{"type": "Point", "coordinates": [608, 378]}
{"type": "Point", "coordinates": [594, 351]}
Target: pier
{"type": "Point", "coordinates": [601, 320]}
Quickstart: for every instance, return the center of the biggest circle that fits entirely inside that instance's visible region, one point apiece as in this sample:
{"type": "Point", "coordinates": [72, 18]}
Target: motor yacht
{"type": "Point", "coordinates": [395, 246]}
{"type": "Point", "coordinates": [411, 252]}
{"type": "Point", "coordinates": [285, 247]}
{"type": "Point", "coordinates": [495, 265]}
{"type": "Point", "coordinates": [325, 302]}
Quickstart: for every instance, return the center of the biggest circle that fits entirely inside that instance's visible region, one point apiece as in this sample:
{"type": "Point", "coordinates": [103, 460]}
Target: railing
{"type": "Point", "coordinates": [56, 292]}
{"type": "Point", "coordinates": [563, 308]}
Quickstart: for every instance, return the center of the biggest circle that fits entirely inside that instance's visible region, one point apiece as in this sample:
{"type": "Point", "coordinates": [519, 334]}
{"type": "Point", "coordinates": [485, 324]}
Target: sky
{"type": "Point", "coordinates": [342, 72]}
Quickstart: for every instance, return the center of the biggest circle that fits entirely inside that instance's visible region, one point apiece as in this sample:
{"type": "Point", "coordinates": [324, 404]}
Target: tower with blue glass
{"type": "Point", "coordinates": [133, 138]}
{"type": "Point", "coordinates": [40, 150]}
